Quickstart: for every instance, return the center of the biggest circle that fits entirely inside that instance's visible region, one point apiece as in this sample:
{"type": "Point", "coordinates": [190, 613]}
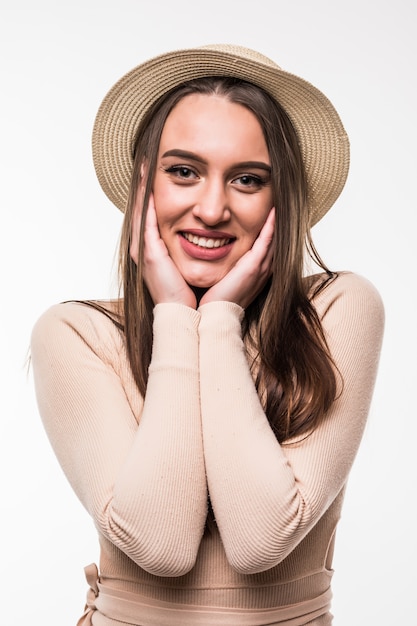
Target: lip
{"type": "Point", "coordinates": [206, 254]}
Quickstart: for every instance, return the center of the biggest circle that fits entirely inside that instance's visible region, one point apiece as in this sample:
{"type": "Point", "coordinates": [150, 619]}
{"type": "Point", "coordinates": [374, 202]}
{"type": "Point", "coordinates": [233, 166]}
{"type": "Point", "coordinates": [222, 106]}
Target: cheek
{"type": "Point", "coordinates": [252, 207]}
{"type": "Point", "coordinates": [163, 208]}
{"type": "Point", "coordinates": [255, 219]}
{"type": "Point", "coordinates": [166, 203]}
{"type": "Point", "coordinates": [172, 208]}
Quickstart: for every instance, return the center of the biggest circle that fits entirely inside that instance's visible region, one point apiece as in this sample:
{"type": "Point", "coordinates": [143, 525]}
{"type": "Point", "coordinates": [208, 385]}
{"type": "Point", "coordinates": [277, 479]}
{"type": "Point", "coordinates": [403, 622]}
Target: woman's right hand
{"type": "Point", "coordinates": [162, 277]}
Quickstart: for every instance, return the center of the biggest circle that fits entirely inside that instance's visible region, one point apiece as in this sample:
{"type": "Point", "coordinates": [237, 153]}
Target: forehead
{"type": "Point", "coordinates": [211, 107]}
{"type": "Point", "coordinates": [209, 121]}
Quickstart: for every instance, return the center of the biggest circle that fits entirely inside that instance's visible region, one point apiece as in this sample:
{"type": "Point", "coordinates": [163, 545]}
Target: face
{"type": "Point", "coordinates": [212, 186]}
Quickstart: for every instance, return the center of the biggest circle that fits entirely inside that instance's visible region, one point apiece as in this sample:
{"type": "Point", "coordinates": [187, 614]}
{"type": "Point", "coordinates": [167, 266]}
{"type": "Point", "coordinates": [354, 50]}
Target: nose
{"type": "Point", "coordinates": [211, 206]}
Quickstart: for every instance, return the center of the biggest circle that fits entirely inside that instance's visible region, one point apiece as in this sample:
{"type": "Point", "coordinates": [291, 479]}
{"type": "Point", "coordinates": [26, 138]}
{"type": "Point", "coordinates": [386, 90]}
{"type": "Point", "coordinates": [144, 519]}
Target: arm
{"type": "Point", "coordinates": [267, 497]}
{"type": "Point", "coordinates": [143, 485]}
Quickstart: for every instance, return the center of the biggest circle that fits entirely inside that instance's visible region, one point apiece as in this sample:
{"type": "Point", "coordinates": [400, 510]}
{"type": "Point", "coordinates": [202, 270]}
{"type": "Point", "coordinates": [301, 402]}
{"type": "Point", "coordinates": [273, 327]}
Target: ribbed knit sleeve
{"type": "Point", "coordinates": [267, 497]}
{"type": "Point", "coordinates": [144, 484]}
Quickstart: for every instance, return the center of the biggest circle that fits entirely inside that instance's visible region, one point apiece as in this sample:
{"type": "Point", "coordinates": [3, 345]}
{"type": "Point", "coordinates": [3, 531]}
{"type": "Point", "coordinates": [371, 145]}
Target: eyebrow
{"type": "Point", "coordinates": [185, 154]}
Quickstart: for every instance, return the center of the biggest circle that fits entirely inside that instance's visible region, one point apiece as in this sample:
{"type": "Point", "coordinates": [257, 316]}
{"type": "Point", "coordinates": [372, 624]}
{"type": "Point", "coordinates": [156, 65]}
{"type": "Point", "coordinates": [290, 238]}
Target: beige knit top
{"type": "Point", "coordinates": [143, 467]}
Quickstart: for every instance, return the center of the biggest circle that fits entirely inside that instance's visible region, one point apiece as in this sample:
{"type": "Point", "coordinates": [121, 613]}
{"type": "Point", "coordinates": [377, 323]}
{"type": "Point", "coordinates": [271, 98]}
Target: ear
{"type": "Point", "coordinates": [137, 216]}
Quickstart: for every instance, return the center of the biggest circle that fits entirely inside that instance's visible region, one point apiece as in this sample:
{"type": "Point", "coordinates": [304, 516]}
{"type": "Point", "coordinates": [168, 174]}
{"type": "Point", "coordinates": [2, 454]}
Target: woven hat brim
{"type": "Point", "coordinates": [322, 137]}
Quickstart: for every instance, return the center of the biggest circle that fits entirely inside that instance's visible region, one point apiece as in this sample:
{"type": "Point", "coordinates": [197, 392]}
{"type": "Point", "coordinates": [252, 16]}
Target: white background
{"type": "Point", "coordinates": [59, 234]}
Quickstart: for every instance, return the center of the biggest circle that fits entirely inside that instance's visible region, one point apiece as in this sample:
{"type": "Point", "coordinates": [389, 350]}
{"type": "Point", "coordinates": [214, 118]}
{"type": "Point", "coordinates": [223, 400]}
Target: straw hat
{"type": "Point", "coordinates": [323, 140]}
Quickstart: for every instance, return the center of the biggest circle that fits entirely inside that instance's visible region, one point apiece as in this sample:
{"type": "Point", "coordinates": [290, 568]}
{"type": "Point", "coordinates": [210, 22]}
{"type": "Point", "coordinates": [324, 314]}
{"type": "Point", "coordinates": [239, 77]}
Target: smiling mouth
{"type": "Point", "coordinates": [206, 242]}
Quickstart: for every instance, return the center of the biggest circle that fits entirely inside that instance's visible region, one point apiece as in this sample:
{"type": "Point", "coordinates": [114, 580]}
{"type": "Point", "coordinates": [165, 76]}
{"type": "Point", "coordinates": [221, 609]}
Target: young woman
{"type": "Point", "coordinates": [209, 418]}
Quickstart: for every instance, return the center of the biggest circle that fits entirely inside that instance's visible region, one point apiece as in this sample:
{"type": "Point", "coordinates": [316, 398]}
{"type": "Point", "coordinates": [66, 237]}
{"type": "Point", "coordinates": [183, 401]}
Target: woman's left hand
{"type": "Point", "coordinates": [247, 278]}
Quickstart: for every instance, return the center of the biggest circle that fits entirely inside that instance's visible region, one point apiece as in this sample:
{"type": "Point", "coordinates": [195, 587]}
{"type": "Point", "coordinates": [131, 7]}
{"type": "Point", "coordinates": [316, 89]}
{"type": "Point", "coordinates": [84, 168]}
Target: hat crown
{"type": "Point", "coordinates": [241, 52]}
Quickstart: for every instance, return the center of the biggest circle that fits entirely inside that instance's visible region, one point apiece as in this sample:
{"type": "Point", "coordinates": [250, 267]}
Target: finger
{"type": "Point", "coordinates": [136, 225]}
{"type": "Point", "coordinates": [267, 231]}
{"type": "Point", "coordinates": [151, 219]}
{"type": "Point", "coordinates": [153, 239]}
{"type": "Point", "coordinates": [262, 247]}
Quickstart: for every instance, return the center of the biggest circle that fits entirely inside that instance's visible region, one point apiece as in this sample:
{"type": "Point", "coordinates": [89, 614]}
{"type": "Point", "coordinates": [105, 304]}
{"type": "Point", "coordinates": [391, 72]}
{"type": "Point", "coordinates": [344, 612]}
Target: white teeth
{"type": "Point", "coordinates": [203, 242]}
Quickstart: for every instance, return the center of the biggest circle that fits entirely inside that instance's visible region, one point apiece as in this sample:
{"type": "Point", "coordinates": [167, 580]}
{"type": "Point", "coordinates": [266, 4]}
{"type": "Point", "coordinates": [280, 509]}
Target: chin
{"type": "Point", "coordinates": [202, 280]}
{"type": "Point", "coordinates": [201, 284]}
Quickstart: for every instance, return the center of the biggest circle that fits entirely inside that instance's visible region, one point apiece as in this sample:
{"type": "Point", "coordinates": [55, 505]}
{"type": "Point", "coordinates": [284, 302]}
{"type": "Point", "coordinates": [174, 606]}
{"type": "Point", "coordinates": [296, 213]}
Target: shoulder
{"type": "Point", "coordinates": [347, 290]}
{"type": "Point", "coordinates": [76, 346]}
{"type": "Point", "coordinates": [94, 324]}
{"type": "Point", "coordinates": [351, 312]}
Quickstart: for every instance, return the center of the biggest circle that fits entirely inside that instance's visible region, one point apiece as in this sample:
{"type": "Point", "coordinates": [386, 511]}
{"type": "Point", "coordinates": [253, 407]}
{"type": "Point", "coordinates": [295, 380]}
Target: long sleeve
{"type": "Point", "coordinates": [137, 466]}
{"type": "Point", "coordinates": [268, 496]}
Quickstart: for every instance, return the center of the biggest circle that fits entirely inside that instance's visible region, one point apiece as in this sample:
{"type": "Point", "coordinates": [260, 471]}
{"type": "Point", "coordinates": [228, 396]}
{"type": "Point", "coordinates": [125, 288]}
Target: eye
{"type": "Point", "coordinates": [249, 181]}
{"type": "Point", "coordinates": [182, 172]}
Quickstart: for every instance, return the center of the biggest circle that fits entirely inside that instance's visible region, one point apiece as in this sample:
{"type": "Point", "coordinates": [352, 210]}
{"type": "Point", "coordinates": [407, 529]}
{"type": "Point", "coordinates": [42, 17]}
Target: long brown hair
{"type": "Point", "coordinates": [291, 364]}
